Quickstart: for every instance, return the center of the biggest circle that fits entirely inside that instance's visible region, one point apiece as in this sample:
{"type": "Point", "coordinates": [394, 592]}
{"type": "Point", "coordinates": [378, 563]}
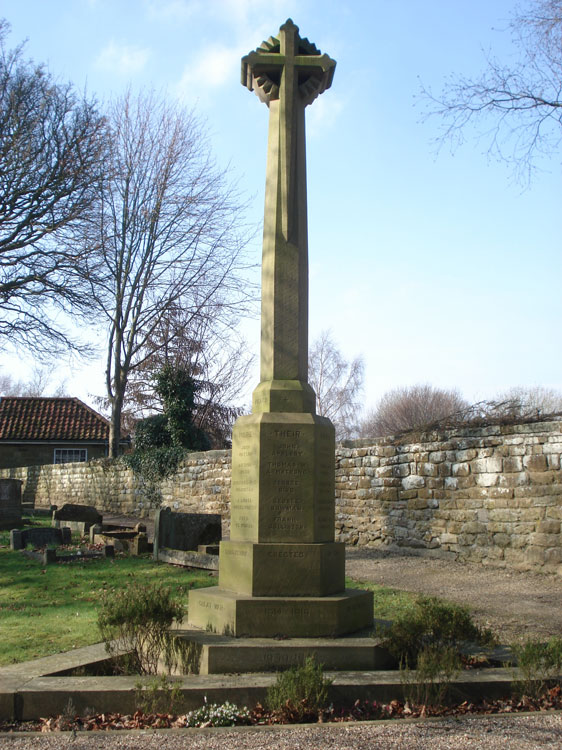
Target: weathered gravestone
{"type": "Point", "coordinates": [78, 518]}
{"type": "Point", "coordinates": [10, 503]}
{"type": "Point", "coordinates": [281, 571]}
{"type": "Point", "coordinates": [39, 537]}
{"type": "Point", "coordinates": [178, 535]}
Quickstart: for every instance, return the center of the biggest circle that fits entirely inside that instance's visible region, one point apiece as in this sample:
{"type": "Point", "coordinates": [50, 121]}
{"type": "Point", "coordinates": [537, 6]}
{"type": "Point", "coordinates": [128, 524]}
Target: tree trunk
{"type": "Point", "coordinates": [115, 426]}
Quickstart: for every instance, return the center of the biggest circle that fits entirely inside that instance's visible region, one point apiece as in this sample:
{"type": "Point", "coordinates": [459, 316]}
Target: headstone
{"type": "Point", "coordinates": [184, 531]}
{"type": "Point", "coordinates": [78, 518]}
{"type": "Point", "coordinates": [49, 556]}
{"type": "Point", "coordinates": [139, 544]}
{"type": "Point", "coordinates": [10, 503]}
{"type": "Point", "coordinates": [95, 530]}
{"type": "Point", "coordinates": [281, 571]}
{"type": "Point", "coordinates": [39, 536]}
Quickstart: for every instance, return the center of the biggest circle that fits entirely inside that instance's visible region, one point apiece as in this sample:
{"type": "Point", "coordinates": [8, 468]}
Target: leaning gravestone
{"type": "Point", "coordinates": [78, 518]}
{"type": "Point", "coordinates": [281, 573]}
{"type": "Point", "coordinates": [178, 535]}
{"type": "Point", "coordinates": [10, 503]}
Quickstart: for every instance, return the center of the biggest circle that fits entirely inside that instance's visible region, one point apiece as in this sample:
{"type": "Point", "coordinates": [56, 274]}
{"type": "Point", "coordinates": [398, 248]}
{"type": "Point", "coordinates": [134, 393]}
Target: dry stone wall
{"type": "Point", "coordinates": [200, 485]}
{"type": "Point", "coordinates": [490, 494]}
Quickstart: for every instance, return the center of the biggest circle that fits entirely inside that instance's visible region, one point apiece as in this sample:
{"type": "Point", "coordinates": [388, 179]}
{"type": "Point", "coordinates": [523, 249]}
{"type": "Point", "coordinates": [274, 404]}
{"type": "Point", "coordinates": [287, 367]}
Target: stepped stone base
{"type": "Point", "coordinates": [227, 613]}
{"type": "Point", "coordinates": [209, 653]}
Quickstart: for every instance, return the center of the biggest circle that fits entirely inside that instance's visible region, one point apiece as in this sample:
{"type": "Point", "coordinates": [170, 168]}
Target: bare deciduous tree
{"type": "Point", "coordinates": [519, 104]}
{"type": "Point", "coordinates": [51, 153]}
{"type": "Point", "coordinates": [39, 384]}
{"type": "Point", "coordinates": [337, 384]}
{"type": "Point", "coordinates": [169, 226]}
{"type": "Point", "coordinates": [528, 401]}
{"type": "Point", "coordinates": [410, 408]}
{"type": "Point", "coordinates": [214, 355]}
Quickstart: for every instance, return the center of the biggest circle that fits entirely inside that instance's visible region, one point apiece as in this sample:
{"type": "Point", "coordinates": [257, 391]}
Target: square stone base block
{"type": "Point", "coordinates": [227, 613]}
{"type": "Point", "coordinates": [282, 569]}
{"type": "Point", "coordinates": [208, 653]}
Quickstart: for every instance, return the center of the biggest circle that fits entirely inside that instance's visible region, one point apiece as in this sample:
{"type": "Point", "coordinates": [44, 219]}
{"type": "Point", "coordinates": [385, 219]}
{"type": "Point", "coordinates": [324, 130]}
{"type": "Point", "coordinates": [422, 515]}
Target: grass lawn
{"type": "Point", "coordinates": [46, 610]}
{"type": "Point", "coordinates": [388, 603]}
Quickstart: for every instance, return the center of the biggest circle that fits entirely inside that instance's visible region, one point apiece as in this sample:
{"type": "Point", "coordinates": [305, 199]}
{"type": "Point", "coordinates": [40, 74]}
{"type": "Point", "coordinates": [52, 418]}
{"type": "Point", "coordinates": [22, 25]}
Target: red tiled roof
{"type": "Point", "coordinates": [50, 419]}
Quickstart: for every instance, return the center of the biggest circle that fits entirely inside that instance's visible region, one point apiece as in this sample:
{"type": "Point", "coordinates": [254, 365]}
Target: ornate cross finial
{"type": "Point", "coordinates": [288, 53]}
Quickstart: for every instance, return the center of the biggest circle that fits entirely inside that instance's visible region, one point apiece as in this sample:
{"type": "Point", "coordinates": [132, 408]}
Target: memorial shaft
{"type": "Point", "coordinates": [281, 571]}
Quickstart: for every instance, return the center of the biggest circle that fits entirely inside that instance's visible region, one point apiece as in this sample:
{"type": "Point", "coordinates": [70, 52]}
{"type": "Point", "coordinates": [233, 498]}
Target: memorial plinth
{"type": "Point", "coordinates": [281, 572]}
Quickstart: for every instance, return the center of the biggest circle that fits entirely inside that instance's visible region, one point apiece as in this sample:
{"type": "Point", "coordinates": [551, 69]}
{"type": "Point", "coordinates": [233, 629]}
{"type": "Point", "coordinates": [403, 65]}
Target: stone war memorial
{"type": "Point", "coordinates": [281, 574]}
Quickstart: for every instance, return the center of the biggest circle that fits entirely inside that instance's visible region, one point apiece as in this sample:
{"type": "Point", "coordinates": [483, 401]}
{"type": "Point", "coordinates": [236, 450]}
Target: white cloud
{"type": "Point", "coordinates": [244, 12]}
{"type": "Point", "coordinates": [173, 10]}
{"type": "Point", "coordinates": [323, 113]}
{"type": "Point", "coordinates": [122, 58]}
{"type": "Point", "coordinates": [216, 65]}
{"type": "Point", "coordinates": [238, 13]}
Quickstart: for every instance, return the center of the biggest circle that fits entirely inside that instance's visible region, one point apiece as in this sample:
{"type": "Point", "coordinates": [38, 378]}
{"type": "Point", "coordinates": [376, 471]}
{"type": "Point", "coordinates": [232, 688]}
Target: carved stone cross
{"type": "Point", "coordinates": [287, 73]}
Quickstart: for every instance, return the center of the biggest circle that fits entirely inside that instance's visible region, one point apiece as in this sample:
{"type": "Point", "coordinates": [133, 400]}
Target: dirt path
{"type": "Point", "coordinates": [514, 604]}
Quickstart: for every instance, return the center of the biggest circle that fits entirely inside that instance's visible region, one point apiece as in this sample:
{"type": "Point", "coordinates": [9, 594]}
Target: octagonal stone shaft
{"type": "Point", "coordinates": [284, 312]}
{"type": "Point", "coordinates": [282, 486]}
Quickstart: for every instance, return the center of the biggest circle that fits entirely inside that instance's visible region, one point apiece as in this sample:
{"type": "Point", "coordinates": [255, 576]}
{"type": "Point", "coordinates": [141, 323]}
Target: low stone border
{"type": "Point", "coordinates": [32, 689]}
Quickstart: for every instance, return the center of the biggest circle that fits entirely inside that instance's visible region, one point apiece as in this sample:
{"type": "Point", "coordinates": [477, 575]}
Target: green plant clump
{"type": "Point", "coordinates": [540, 665]}
{"type": "Point", "coordinates": [218, 715]}
{"type": "Point", "coordinates": [299, 692]}
{"type": "Point", "coordinates": [160, 695]}
{"type": "Point", "coordinates": [429, 684]}
{"type": "Point", "coordinates": [137, 621]}
{"type": "Point", "coordinates": [432, 623]}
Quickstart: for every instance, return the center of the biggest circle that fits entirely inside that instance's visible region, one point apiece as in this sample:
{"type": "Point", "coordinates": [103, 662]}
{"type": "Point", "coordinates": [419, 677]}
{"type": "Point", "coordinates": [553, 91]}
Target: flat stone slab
{"type": "Point", "coordinates": [189, 559]}
{"type": "Point", "coordinates": [31, 689]}
{"type": "Point", "coordinates": [218, 654]}
{"type": "Point", "coordinates": [56, 664]}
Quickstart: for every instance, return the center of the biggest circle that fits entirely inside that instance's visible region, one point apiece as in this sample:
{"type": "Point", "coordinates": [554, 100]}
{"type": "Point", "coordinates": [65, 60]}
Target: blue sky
{"type": "Point", "coordinates": [434, 268]}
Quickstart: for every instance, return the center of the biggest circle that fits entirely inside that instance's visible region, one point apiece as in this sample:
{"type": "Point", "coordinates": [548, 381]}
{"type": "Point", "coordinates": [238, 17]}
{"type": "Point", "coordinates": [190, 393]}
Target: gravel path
{"type": "Point", "coordinates": [514, 604]}
{"type": "Point", "coordinates": [480, 733]}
